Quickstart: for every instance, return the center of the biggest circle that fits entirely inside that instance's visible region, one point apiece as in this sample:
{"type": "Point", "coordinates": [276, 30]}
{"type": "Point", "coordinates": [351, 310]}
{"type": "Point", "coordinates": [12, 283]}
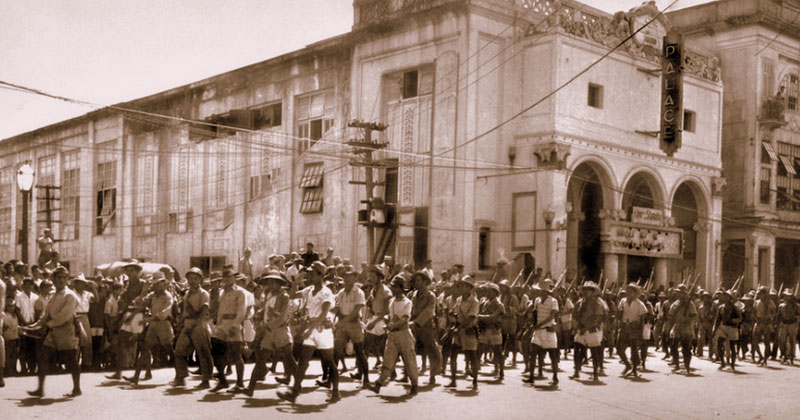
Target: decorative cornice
{"type": "Point", "coordinates": [551, 154]}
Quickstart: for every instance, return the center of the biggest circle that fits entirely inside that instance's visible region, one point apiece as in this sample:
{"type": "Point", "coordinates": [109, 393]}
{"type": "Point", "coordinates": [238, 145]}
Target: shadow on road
{"type": "Point", "coordinates": [140, 386]}
{"type": "Point", "coordinates": [546, 388]}
{"type": "Point", "coordinates": [216, 397]}
{"type": "Point", "coordinates": [175, 391]}
{"type": "Point", "coordinates": [261, 402]}
{"type": "Point", "coordinates": [35, 401]}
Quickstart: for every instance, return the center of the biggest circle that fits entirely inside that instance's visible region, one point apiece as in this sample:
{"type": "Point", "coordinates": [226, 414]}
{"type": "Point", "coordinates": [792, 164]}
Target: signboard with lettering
{"type": "Point", "coordinates": [634, 239]}
{"type": "Point", "coordinates": [671, 93]}
{"type": "Point", "coordinates": [647, 216]}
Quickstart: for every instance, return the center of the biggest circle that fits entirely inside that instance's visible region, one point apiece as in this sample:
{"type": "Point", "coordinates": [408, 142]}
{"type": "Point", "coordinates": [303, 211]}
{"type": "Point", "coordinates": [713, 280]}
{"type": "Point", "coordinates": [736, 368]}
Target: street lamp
{"type": "Point", "coordinates": [25, 184]}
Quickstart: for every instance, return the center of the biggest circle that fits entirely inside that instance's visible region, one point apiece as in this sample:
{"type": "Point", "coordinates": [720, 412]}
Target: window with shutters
{"type": "Point", "coordinates": [70, 195]}
{"type": "Point", "coordinates": [105, 179]}
{"type": "Point", "coordinates": [791, 91]}
{"type": "Point", "coordinates": [6, 189]}
{"type": "Point", "coordinates": [311, 184]}
{"type": "Point", "coordinates": [314, 117]}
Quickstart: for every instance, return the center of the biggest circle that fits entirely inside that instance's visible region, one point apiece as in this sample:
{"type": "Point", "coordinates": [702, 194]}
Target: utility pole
{"type": "Point", "coordinates": [375, 214]}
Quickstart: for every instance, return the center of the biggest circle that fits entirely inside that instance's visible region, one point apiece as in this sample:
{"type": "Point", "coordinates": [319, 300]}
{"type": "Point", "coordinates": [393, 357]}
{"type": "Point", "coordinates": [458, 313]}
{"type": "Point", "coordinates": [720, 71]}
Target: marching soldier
{"type": "Point", "coordinates": [276, 338]}
{"type": "Point", "coordinates": [589, 314]}
{"type": "Point", "coordinates": [490, 318]}
{"type": "Point", "coordinates": [545, 337]}
{"type": "Point", "coordinates": [466, 330]}
{"type": "Point", "coordinates": [787, 327]}
{"type": "Point", "coordinates": [423, 315]}
{"type": "Point", "coordinates": [726, 325]}
{"type": "Point", "coordinates": [632, 314]}
{"type": "Point", "coordinates": [194, 335]}
{"type": "Point", "coordinates": [350, 301]}
{"type": "Point", "coordinates": [683, 314]}
{"type": "Point", "coordinates": [400, 341]}
{"type": "Point", "coordinates": [228, 332]}
{"type": "Point", "coordinates": [159, 331]}
{"type": "Point", "coordinates": [59, 320]}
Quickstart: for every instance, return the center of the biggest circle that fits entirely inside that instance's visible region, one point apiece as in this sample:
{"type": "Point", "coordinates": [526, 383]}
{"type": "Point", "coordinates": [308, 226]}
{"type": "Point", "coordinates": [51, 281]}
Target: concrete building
{"type": "Point", "coordinates": [488, 155]}
{"type": "Point", "coordinates": [758, 44]}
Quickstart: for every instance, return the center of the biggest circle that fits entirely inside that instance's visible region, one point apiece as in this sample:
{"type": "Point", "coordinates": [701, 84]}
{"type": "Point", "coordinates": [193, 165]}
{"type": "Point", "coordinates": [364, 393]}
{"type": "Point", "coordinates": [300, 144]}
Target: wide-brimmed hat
{"type": "Point", "coordinates": [317, 266]}
{"type": "Point", "coordinates": [274, 276]}
{"type": "Point", "coordinates": [468, 280]}
{"type": "Point", "coordinates": [493, 286]}
{"type": "Point", "coordinates": [132, 263]}
{"type": "Point", "coordinates": [158, 276]}
{"type": "Point", "coordinates": [60, 270]}
{"type": "Point", "coordinates": [80, 278]}
{"type": "Point", "coordinates": [590, 285]}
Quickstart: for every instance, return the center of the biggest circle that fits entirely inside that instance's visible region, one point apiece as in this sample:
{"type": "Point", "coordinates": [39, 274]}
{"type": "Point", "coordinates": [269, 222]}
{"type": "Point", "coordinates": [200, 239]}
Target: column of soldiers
{"type": "Point", "coordinates": [295, 312]}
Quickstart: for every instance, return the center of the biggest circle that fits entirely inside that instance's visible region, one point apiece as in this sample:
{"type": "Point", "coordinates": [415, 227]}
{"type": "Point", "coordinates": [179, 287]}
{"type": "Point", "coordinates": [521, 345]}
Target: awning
{"type": "Point", "coordinates": [788, 164]}
{"type": "Point", "coordinates": [770, 151]}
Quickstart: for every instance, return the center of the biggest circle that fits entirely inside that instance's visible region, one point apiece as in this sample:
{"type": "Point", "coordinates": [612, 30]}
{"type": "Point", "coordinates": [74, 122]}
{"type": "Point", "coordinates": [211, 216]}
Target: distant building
{"type": "Point", "coordinates": [758, 44]}
{"type": "Point", "coordinates": [577, 182]}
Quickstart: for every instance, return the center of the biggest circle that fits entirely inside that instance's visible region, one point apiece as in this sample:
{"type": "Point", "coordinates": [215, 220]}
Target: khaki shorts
{"type": "Point", "coordinates": [276, 339]}
{"type": "Point", "coordinates": [492, 337]}
{"type": "Point", "coordinates": [348, 331]}
{"type": "Point", "coordinates": [159, 333]}
{"type": "Point", "coordinates": [62, 337]}
{"type": "Point", "coordinates": [590, 339]}
{"type": "Point", "coordinates": [726, 332]}
{"type": "Point", "coordinates": [545, 339]}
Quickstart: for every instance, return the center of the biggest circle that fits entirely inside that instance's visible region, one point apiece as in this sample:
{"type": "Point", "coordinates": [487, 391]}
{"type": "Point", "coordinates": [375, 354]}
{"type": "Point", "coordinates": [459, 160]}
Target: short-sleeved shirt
{"type": "Point", "coordinates": [544, 308]}
{"type": "Point", "coordinates": [111, 306]}
{"type": "Point", "coordinates": [566, 314]}
{"type": "Point", "coordinates": [194, 302]}
{"type": "Point", "coordinates": [314, 302]}
{"type": "Point", "coordinates": [160, 303]}
{"type": "Point", "coordinates": [84, 300]}
{"type": "Point", "coordinates": [468, 307]}
{"type": "Point", "coordinates": [275, 304]}
{"type": "Point", "coordinates": [399, 307]}
{"type": "Point", "coordinates": [347, 301]}
{"type": "Point", "coordinates": [632, 311]}
{"type": "Point", "coordinates": [27, 306]}
{"type": "Point", "coordinates": [423, 301]}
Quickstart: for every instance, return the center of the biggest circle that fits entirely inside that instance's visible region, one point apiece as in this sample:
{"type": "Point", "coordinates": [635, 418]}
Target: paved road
{"type": "Point", "coordinates": [751, 393]}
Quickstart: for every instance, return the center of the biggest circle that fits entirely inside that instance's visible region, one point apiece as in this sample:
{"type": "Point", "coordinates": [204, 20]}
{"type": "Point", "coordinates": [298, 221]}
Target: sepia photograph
{"type": "Point", "coordinates": [399, 209]}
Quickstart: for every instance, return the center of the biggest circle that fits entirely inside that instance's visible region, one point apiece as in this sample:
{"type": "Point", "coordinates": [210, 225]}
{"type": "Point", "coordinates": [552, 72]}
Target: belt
{"type": "Point", "coordinates": [228, 316]}
{"type": "Point", "coordinates": [81, 313]}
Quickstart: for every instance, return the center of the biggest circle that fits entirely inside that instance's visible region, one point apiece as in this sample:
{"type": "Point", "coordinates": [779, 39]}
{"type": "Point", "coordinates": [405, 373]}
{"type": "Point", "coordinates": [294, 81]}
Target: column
{"type": "Point", "coordinates": [611, 267]}
{"type": "Point", "coordinates": [661, 272]}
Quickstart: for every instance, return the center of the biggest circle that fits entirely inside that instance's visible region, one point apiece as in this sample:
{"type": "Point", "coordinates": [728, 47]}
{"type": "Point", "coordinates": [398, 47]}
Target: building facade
{"type": "Point", "coordinates": [758, 44]}
{"type": "Point", "coordinates": [493, 150]}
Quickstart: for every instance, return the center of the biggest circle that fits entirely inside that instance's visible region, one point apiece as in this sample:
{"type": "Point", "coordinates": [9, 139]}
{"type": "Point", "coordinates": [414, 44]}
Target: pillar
{"type": "Point", "coordinates": [661, 272]}
{"type": "Point", "coordinates": [611, 267]}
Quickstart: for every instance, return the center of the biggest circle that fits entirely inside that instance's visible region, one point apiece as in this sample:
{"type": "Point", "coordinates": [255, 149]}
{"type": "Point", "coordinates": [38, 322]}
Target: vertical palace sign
{"type": "Point", "coordinates": [671, 93]}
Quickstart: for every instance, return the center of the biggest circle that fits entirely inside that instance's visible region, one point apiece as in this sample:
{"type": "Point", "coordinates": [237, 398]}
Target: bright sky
{"type": "Point", "coordinates": [112, 51]}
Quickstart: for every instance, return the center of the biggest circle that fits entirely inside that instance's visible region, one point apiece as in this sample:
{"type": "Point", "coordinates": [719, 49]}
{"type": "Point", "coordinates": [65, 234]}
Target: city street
{"type": "Point", "coordinates": [751, 393]}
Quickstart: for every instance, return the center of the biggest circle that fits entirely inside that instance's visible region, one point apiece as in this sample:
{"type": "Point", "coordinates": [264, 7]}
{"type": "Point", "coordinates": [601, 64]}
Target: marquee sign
{"type": "Point", "coordinates": [647, 216]}
{"type": "Point", "coordinates": [671, 93]}
{"type": "Point", "coordinates": [636, 239]}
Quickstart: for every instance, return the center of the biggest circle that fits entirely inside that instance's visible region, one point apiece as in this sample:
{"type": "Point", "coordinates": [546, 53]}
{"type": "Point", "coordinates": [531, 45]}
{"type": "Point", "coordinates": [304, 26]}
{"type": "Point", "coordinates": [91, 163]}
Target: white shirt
{"type": "Point", "coordinates": [83, 301]}
{"type": "Point", "coordinates": [399, 307]}
{"type": "Point", "coordinates": [26, 305]}
{"type": "Point", "coordinates": [544, 308]}
{"type": "Point", "coordinates": [633, 311]}
{"type": "Point", "coordinates": [314, 302]}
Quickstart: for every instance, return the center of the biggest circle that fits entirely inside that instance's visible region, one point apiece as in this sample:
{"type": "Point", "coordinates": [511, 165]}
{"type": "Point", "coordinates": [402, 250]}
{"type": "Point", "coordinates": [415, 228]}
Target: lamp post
{"type": "Point", "coordinates": [25, 183]}
{"type": "Point", "coordinates": [549, 214]}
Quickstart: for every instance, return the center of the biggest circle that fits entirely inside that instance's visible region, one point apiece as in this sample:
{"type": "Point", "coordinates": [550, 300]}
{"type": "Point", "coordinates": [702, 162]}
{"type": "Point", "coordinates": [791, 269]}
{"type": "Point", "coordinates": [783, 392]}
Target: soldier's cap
{"type": "Point", "coordinates": [228, 272]}
{"type": "Point", "coordinates": [773, 292]}
{"type": "Point", "coordinates": [80, 278]}
{"type": "Point", "coordinates": [132, 263]}
{"type": "Point", "coordinates": [194, 271]}
{"type": "Point", "coordinates": [502, 261]}
{"type": "Point", "coordinates": [318, 267]}
{"type": "Point", "coordinates": [788, 293]}
{"type": "Point", "coordinates": [706, 294]}
{"type": "Point", "coordinates": [590, 285]}
{"type": "Point", "coordinates": [633, 286]}
{"type": "Point", "coordinates": [747, 297]}
{"type": "Point", "coordinates": [545, 285]}
{"type": "Point", "coordinates": [504, 284]}
{"type": "Point", "coordinates": [681, 288]}
{"type": "Point", "coordinates": [349, 272]}
{"type": "Point", "coordinates": [458, 265]}
{"type": "Point", "coordinates": [398, 282]}
{"type": "Point", "coordinates": [763, 288]}
{"type": "Point", "coordinates": [494, 287]}
{"type": "Point", "coordinates": [467, 280]}
{"type": "Point", "coordinates": [377, 270]}
{"type": "Point", "coordinates": [158, 277]}
{"type": "Point", "coordinates": [419, 275]}
{"type": "Point", "coordinates": [20, 264]}
{"type": "Point", "coordinates": [60, 271]}
{"type": "Point", "coordinates": [274, 276]}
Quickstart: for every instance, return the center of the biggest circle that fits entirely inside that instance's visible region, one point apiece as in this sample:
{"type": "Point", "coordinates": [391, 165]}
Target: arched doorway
{"type": "Point", "coordinates": [642, 190]}
{"type": "Point", "coordinates": [588, 192]}
{"type": "Point", "coordinates": [689, 209]}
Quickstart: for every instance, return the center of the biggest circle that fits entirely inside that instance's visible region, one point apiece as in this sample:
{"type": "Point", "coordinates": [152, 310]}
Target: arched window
{"type": "Point", "coordinates": [791, 90]}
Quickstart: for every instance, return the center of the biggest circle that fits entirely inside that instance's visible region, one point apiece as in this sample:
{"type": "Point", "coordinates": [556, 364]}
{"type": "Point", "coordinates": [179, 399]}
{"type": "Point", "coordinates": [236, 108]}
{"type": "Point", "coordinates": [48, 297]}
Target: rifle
{"type": "Point", "coordinates": [514, 283]}
{"type": "Point", "coordinates": [560, 279]}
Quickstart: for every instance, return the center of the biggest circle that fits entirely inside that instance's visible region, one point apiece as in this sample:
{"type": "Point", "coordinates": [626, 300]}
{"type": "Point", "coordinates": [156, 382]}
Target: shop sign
{"type": "Point", "coordinates": [642, 240]}
{"type": "Point", "coordinates": [647, 216]}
